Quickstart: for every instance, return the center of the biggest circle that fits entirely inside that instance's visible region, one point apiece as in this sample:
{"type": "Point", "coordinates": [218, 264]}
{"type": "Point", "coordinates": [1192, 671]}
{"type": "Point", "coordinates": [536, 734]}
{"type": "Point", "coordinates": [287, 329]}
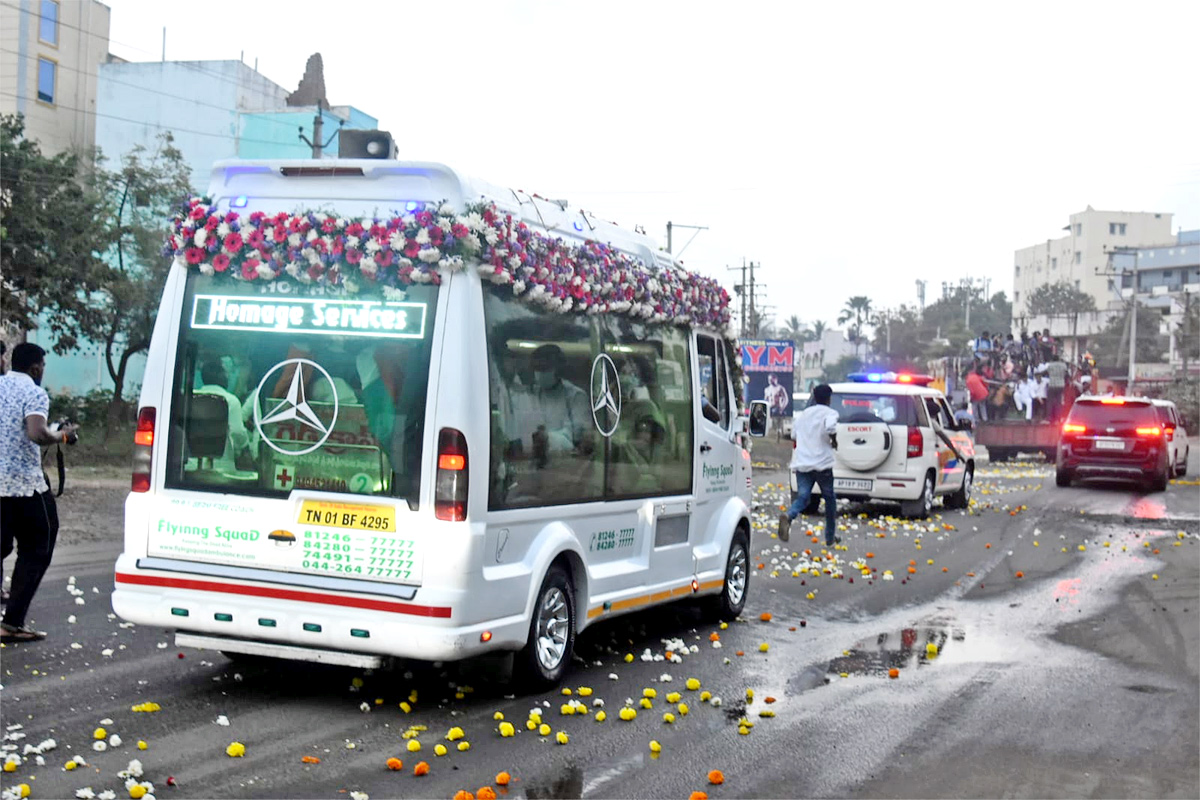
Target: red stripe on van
{"type": "Point", "coordinates": [441, 612]}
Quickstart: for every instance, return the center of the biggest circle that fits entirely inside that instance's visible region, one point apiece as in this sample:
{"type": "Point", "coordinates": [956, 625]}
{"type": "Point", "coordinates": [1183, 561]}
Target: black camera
{"type": "Point", "coordinates": [59, 424]}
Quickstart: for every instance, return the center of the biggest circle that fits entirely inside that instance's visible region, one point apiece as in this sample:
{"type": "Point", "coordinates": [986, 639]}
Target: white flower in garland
{"type": "Point", "coordinates": [206, 269]}
{"type": "Point", "coordinates": [430, 255]}
{"type": "Point", "coordinates": [372, 246]}
{"type": "Point", "coordinates": [350, 285]}
{"type": "Point", "coordinates": [311, 255]}
{"type": "Point", "coordinates": [265, 272]}
{"type": "Point", "coordinates": [491, 236]}
{"type": "Point", "coordinates": [200, 237]}
{"type": "Point", "coordinates": [396, 241]}
{"type": "Point", "coordinates": [392, 293]}
{"type": "Point", "coordinates": [445, 223]}
{"type": "Point", "coordinates": [471, 243]}
{"type": "Point", "coordinates": [518, 287]}
{"type": "Point", "coordinates": [293, 269]}
{"type": "Point", "coordinates": [446, 210]}
{"type": "Point", "coordinates": [422, 237]}
{"type": "Point", "coordinates": [223, 230]}
{"type": "Point", "coordinates": [351, 242]}
{"type": "Point", "coordinates": [368, 267]}
{"type": "Point", "coordinates": [311, 235]}
{"type": "Point", "coordinates": [294, 240]}
{"type": "Point", "coordinates": [474, 221]}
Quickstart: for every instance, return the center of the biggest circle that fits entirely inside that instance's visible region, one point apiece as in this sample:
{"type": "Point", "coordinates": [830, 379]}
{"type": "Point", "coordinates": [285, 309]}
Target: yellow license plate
{"type": "Point", "coordinates": [348, 515]}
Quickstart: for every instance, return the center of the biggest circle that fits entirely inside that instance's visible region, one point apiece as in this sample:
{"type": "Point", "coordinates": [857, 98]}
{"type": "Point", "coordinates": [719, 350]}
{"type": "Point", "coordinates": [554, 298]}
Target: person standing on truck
{"type": "Point", "coordinates": [1056, 383]}
{"type": "Point", "coordinates": [28, 514]}
{"type": "Point", "coordinates": [979, 393]}
{"type": "Point", "coordinates": [815, 432]}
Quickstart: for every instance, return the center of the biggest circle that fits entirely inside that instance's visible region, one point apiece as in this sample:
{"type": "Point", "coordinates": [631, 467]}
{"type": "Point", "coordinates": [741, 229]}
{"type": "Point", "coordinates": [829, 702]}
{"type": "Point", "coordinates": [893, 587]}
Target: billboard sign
{"type": "Point", "coordinates": [767, 364]}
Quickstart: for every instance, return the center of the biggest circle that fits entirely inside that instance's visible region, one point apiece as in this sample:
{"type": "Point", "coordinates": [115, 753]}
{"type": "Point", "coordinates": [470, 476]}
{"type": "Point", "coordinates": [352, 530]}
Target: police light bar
{"type": "Point", "coordinates": [890, 377]}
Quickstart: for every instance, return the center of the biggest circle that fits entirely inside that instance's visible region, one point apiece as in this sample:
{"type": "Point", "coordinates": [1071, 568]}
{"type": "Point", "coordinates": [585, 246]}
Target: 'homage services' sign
{"type": "Point", "coordinates": [394, 320]}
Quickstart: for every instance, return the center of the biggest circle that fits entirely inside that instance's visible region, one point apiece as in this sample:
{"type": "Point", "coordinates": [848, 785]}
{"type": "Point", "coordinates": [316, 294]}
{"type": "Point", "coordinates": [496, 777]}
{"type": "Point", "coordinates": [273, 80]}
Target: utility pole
{"type": "Point", "coordinates": [1133, 292]}
{"type": "Point", "coordinates": [921, 295]}
{"type": "Point", "coordinates": [748, 290]}
{"type": "Point", "coordinates": [739, 289]}
{"type": "Point", "coordinates": [318, 128]}
{"type": "Point", "coordinates": [672, 225]}
{"type": "Point", "coordinates": [753, 315]}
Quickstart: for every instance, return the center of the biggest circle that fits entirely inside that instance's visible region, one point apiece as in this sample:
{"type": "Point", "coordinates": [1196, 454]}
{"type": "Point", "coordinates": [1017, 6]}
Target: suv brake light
{"type": "Point", "coordinates": [143, 450]}
{"type": "Point", "coordinates": [450, 486]}
{"type": "Point", "coordinates": [1152, 431]}
{"type": "Point", "coordinates": [1071, 427]}
{"type": "Point", "coordinates": [916, 443]}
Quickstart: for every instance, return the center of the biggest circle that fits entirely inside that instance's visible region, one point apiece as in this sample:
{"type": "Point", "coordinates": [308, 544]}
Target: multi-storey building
{"type": "Point", "coordinates": [50, 51]}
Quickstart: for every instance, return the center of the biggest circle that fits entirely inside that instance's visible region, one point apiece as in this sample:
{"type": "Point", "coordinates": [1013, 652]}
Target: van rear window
{"type": "Point", "coordinates": [894, 409]}
{"type": "Point", "coordinates": [281, 390]}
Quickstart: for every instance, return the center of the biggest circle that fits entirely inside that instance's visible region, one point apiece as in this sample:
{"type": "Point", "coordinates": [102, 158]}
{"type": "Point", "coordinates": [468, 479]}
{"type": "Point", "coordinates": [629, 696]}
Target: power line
{"type": "Point", "coordinates": [33, 56]}
{"type": "Point", "coordinates": [148, 123]}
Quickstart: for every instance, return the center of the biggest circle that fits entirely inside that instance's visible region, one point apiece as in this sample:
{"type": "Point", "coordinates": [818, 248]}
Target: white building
{"type": "Point", "coordinates": [1083, 260]}
{"type": "Point", "coordinates": [49, 54]}
{"type": "Point", "coordinates": [815, 356]}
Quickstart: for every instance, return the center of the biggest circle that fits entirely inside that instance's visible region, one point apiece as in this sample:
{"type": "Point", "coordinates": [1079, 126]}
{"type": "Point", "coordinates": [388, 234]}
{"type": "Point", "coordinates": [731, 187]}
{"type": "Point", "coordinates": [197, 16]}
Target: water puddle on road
{"type": "Point", "coordinates": [910, 648]}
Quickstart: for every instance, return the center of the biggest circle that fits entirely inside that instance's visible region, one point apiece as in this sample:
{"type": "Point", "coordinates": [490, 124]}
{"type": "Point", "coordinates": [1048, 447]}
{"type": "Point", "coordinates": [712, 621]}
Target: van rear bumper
{"type": "Point", "coordinates": [321, 620]}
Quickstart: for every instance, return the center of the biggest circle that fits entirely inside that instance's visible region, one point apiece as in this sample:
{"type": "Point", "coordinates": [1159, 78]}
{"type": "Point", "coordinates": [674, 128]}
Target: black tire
{"type": "Point", "coordinates": [1063, 477]}
{"type": "Point", "coordinates": [543, 661]}
{"type": "Point", "coordinates": [732, 599]}
{"type": "Point", "coordinates": [922, 507]}
{"type": "Point", "coordinates": [1181, 470]}
{"type": "Point", "coordinates": [962, 497]}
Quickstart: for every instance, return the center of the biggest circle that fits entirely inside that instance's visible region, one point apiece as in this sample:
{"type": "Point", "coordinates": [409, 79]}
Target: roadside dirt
{"type": "Point", "coordinates": [93, 506]}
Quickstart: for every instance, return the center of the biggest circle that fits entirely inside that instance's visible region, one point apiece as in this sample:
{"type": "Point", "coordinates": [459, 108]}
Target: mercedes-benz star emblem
{"type": "Point", "coordinates": [606, 395]}
{"type": "Point", "coordinates": [294, 407]}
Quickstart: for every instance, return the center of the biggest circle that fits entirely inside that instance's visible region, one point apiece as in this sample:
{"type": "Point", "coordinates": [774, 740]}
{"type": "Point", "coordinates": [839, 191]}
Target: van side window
{"type": "Point", "coordinates": [650, 452]}
{"type": "Point", "coordinates": [714, 396]}
{"type": "Point", "coordinates": [544, 443]}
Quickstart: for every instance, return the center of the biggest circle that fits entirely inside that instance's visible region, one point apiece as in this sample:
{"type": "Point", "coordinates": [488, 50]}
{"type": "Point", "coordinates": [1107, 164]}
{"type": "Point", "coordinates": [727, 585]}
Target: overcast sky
{"type": "Point", "coordinates": [850, 148]}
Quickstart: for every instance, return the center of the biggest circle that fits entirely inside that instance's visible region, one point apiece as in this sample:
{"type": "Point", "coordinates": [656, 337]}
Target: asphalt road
{"type": "Point", "coordinates": [1064, 668]}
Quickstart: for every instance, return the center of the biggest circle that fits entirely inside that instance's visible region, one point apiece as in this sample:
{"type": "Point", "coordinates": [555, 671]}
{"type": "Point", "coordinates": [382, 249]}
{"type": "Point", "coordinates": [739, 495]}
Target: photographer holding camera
{"type": "Point", "coordinates": [28, 514]}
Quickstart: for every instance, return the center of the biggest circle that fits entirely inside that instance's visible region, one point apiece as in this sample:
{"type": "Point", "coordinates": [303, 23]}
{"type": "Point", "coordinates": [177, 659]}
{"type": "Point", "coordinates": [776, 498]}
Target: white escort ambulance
{"type": "Point", "coordinates": [389, 411]}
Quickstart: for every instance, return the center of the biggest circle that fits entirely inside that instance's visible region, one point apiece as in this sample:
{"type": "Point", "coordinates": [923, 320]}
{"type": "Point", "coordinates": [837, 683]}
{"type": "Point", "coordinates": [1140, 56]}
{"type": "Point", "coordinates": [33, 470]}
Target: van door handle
{"type": "Point", "coordinates": [887, 440]}
{"type": "Point", "coordinates": [704, 448]}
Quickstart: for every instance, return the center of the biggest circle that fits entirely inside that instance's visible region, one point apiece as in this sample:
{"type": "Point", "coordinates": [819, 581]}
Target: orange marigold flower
{"type": "Point", "coordinates": [393, 763]}
{"type": "Point", "coordinates": [1020, 574]}
{"type": "Point", "coordinates": [463, 794]}
{"type": "Point", "coordinates": [503, 778]}
{"type": "Point", "coordinates": [912, 570]}
{"type": "Point", "coordinates": [741, 653]}
{"type": "Point", "coordinates": [714, 637]}
{"type": "Point", "coordinates": [893, 673]}
{"type": "Point", "coordinates": [486, 793]}
{"type": "Point", "coordinates": [765, 616]}
{"type": "Point", "coordinates": [422, 768]}
{"type": "Point", "coordinates": [698, 796]}
{"type": "Point", "coordinates": [313, 760]}
{"type": "Point", "coordinates": [870, 555]}
{"type": "Point", "coordinates": [716, 777]}
{"type": "Point", "coordinates": [769, 700]}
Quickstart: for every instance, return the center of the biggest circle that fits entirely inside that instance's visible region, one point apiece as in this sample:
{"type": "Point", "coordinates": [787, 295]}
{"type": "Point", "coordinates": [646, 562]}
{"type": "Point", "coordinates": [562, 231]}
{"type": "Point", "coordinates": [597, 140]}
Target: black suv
{"type": "Point", "coordinates": [1113, 437]}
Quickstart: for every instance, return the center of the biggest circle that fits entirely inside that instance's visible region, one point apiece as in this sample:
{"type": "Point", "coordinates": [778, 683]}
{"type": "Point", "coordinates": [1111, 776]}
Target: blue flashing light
{"type": "Point", "coordinates": [874, 377]}
{"type": "Point", "coordinates": [240, 201]}
{"type": "Point", "coordinates": [411, 205]}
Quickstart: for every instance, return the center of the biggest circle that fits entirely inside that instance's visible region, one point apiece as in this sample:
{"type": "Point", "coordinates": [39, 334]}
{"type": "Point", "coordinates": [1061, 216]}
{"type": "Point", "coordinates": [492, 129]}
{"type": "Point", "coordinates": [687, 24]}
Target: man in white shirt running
{"type": "Point", "coordinates": [815, 431]}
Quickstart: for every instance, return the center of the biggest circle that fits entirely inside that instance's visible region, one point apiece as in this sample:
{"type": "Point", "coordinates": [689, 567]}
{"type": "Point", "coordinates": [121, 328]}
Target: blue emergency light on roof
{"type": "Point", "coordinates": [411, 205]}
{"type": "Point", "coordinates": [240, 201]}
{"type": "Point", "coordinates": [890, 377]}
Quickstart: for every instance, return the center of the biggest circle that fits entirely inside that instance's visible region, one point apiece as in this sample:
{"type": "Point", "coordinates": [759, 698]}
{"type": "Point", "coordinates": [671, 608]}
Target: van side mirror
{"type": "Point", "coordinates": [759, 416]}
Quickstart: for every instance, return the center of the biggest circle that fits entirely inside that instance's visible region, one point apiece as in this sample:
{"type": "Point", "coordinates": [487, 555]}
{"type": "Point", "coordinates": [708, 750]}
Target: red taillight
{"type": "Point", "coordinates": [1071, 427]}
{"type": "Point", "coordinates": [1112, 401]}
{"type": "Point", "coordinates": [1170, 432]}
{"type": "Point", "coordinates": [143, 450]}
{"type": "Point", "coordinates": [916, 443]}
{"type": "Point", "coordinates": [1154, 431]}
{"type": "Point", "coordinates": [450, 486]}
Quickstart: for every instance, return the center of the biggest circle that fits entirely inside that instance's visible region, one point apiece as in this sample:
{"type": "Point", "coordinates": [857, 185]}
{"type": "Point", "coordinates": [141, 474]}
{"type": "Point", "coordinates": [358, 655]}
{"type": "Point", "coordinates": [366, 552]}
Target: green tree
{"type": "Point", "coordinates": [1111, 345]}
{"type": "Point", "coordinates": [818, 330]}
{"type": "Point", "coordinates": [51, 235]}
{"type": "Point", "coordinates": [1060, 300]}
{"type": "Point", "coordinates": [795, 330]}
{"type": "Point", "coordinates": [858, 309]}
{"type": "Point", "coordinates": [838, 370]}
{"type": "Point", "coordinates": [128, 284]}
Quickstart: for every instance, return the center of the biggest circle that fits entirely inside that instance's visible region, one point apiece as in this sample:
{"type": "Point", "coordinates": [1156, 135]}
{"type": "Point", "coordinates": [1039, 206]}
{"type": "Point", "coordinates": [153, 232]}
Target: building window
{"type": "Point", "coordinates": [1116, 229]}
{"type": "Point", "coordinates": [1016, 297]}
{"type": "Point", "coordinates": [1076, 284]}
{"type": "Point", "coordinates": [1079, 229]}
{"type": "Point", "coordinates": [1078, 257]}
{"type": "Point", "coordinates": [47, 75]}
{"type": "Point", "coordinates": [1054, 262]}
{"type": "Point", "coordinates": [48, 24]}
{"type": "Point", "coordinates": [1016, 272]}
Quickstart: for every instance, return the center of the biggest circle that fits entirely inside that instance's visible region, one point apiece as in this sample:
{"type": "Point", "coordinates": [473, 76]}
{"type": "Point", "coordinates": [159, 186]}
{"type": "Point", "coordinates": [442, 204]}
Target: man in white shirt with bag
{"type": "Point", "coordinates": [815, 432]}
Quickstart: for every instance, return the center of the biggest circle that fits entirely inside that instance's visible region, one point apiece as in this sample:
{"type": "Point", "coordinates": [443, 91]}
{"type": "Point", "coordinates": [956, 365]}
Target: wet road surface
{"type": "Point", "coordinates": [1035, 655]}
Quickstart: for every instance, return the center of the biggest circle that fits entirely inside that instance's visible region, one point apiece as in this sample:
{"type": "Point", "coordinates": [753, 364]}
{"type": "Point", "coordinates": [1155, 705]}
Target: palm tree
{"type": "Point", "coordinates": [857, 308]}
{"type": "Point", "coordinates": [794, 329]}
{"type": "Point", "coordinates": [817, 331]}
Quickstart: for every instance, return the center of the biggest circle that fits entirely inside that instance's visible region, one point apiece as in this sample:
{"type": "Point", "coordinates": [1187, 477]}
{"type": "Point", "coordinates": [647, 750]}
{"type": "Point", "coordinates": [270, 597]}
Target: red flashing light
{"type": "Point", "coordinates": [904, 378]}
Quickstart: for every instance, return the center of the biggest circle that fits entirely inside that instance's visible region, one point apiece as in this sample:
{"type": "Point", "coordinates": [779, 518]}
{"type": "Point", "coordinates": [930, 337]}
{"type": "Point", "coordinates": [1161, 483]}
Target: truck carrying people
{"type": "Point", "coordinates": [389, 411]}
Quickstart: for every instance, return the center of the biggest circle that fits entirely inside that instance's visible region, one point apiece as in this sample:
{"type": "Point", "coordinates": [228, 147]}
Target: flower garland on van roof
{"type": "Point", "coordinates": [322, 249]}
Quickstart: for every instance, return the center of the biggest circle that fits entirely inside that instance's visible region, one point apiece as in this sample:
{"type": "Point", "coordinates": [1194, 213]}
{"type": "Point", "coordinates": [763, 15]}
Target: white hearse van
{"type": "Point", "coordinates": [391, 411]}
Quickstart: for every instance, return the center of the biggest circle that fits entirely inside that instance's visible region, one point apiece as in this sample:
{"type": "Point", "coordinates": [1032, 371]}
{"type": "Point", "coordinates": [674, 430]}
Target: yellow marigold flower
{"type": "Point", "coordinates": [585, 691]}
{"type": "Point", "coordinates": [655, 747]}
{"type": "Point", "coordinates": [566, 710]}
{"type": "Point", "coordinates": [454, 734]}
{"type": "Point", "coordinates": [235, 750]}
{"type": "Point", "coordinates": [141, 745]}
{"type": "Point", "coordinates": [628, 713]}
{"type": "Point", "coordinates": [499, 715]}
{"type": "Point", "coordinates": [439, 750]}
{"type": "Point", "coordinates": [566, 692]}
{"type": "Point", "coordinates": [743, 730]}
{"type": "Point", "coordinates": [601, 716]}
{"type": "Point", "coordinates": [464, 746]}
{"type": "Point", "coordinates": [682, 708]}
{"type": "Point", "coordinates": [628, 657]}
{"type": "Point", "coordinates": [673, 697]}
{"type": "Point", "coordinates": [99, 733]}
{"type": "Point", "coordinates": [646, 703]}
{"type": "Point", "coordinates": [137, 791]}
{"type": "Point", "coordinates": [705, 696]}
{"type": "Point", "coordinates": [531, 724]}
{"type": "Point", "coordinates": [651, 693]}
{"type": "Point", "coordinates": [562, 737]}
{"type": "Point", "coordinates": [507, 729]}
{"type": "Point", "coordinates": [693, 684]}
{"type": "Point", "coordinates": [668, 717]}
{"type": "Point", "coordinates": [766, 712]}
{"type": "Point", "coordinates": [543, 730]}
{"type": "Point", "coordinates": [414, 745]}
{"type": "Point", "coordinates": [405, 707]}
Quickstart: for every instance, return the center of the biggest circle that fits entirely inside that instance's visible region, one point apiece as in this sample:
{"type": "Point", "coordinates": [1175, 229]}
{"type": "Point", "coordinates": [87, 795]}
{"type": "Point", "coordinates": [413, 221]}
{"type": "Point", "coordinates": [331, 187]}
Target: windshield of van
{"type": "Point", "coordinates": [282, 387]}
{"type": "Point", "coordinates": [890, 408]}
